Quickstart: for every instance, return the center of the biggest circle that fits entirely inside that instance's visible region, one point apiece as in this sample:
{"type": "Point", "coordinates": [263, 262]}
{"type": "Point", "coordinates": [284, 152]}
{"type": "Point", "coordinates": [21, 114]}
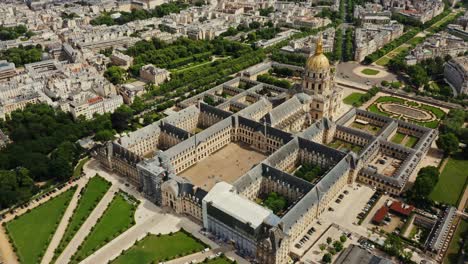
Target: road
{"type": "Point", "coordinates": [84, 230]}
{"type": "Point", "coordinates": [49, 254]}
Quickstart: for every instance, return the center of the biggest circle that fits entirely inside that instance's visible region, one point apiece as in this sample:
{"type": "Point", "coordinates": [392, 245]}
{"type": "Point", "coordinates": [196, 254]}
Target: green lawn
{"type": "Point", "coordinates": [374, 109]}
{"type": "Point", "coordinates": [452, 181]}
{"type": "Point", "coordinates": [385, 99]}
{"type": "Point", "coordinates": [411, 141]}
{"type": "Point", "coordinates": [154, 249]}
{"type": "Point", "coordinates": [90, 197]}
{"type": "Point", "coordinates": [383, 61]}
{"type": "Point", "coordinates": [435, 110]}
{"type": "Point", "coordinates": [79, 167]}
{"type": "Point", "coordinates": [368, 71]}
{"type": "Point", "coordinates": [353, 98]}
{"type": "Point", "coordinates": [398, 138]}
{"type": "Point", "coordinates": [451, 257]}
{"type": "Point", "coordinates": [31, 232]}
{"type": "Point", "coordinates": [117, 218]}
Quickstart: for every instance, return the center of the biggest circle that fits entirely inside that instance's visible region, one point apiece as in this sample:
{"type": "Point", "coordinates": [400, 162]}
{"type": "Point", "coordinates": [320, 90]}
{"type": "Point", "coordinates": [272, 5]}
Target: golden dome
{"type": "Point", "coordinates": [318, 61]}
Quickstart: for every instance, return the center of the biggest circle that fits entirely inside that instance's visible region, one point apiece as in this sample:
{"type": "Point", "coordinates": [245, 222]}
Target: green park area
{"type": "Point", "coordinates": [383, 61]}
{"type": "Point", "coordinates": [368, 71]}
{"type": "Point", "coordinates": [32, 231]}
{"type": "Point", "coordinates": [353, 98]}
{"type": "Point", "coordinates": [398, 138]}
{"type": "Point", "coordinates": [438, 113]}
{"type": "Point", "coordinates": [274, 201]}
{"type": "Point", "coordinates": [451, 256]}
{"type": "Point", "coordinates": [411, 141]}
{"type": "Point", "coordinates": [407, 140]}
{"type": "Point", "coordinates": [159, 248]}
{"type": "Point", "coordinates": [117, 218]}
{"type": "Point", "coordinates": [452, 178]}
{"type": "Point", "coordinates": [90, 197]}
{"type": "Point", "coordinates": [345, 146]}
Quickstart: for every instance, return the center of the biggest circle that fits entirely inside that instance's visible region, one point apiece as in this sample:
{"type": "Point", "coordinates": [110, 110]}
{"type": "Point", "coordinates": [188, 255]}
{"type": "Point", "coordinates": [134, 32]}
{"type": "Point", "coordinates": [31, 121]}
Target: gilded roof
{"type": "Point", "coordinates": [318, 61]}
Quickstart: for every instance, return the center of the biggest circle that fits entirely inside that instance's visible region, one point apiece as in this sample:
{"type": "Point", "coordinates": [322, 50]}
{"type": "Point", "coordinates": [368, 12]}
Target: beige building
{"type": "Point", "coordinates": [155, 75]}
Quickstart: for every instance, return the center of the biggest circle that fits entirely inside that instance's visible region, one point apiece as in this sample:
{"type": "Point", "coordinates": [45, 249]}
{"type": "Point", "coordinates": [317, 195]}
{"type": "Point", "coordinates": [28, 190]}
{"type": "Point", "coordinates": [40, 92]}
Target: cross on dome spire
{"type": "Point", "coordinates": [319, 46]}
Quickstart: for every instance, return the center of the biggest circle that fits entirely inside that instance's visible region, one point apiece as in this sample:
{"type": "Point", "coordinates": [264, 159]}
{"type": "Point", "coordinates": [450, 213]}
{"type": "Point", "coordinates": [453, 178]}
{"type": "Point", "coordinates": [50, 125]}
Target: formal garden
{"type": "Point", "coordinates": [411, 111]}
{"type": "Point", "coordinates": [91, 194]}
{"type": "Point", "coordinates": [118, 217]}
{"type": "Point", "coordinates": [31, 233]}
{"type": "Point", "coordinates": [159, 248]}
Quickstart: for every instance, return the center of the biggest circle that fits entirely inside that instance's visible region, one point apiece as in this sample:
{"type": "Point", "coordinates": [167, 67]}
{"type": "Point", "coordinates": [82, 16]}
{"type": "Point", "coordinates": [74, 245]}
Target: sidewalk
{"type": "Point", "coordinates": [49, 254]}
{"type": "Point", "coordinates": [84, 230]}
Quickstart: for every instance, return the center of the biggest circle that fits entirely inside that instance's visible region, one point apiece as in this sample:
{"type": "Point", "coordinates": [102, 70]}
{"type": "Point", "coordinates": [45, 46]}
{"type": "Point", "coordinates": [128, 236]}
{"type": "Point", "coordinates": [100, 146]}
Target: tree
{"type": "Point", "coordinates": [425, 182]}
{"type": "Point", "coordinates": [115, 74]}
{"type": "Point", "coordinates": [338, 246]}
{"type": "Point", "coordinates": [322, 247]}
{"type": "Point", "coordinates": [343, 238]}
{"type": "Point", "coordinates": [60, 168]}
{"type": "Point", "coordinates": [448, 143]}
{"type": "Point", "coordinates": [327, 258]}
{"type": "Point", "coordinates": [121, 117]}
{"type": "Point", "coordinates": [329, 240]}
{"type": "Point", "coordinates": [104, 135]}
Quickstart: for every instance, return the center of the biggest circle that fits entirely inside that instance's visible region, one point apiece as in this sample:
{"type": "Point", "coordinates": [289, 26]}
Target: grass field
{"type": "Point", "coordinates": [79, 167]}
{"type": "Point", "coordinates": [154, 249]}
{"type": "Point", "coordinates": [411, 141]}
{"type": "Point", "coordinates": [398, 138]}
{"type": "Point", "coordinates": [31, 232]}
{"type": "Point", "coordinates": [452, 178]}
{"type": "Point", "coordinates": [451, 256]}
{"type": "Point", "coordinates": [90, 197]}
{"type": "Point", "coordinates": [383, 99]}
{"type": "Point", "coordinates": [117, 218]}
{"type": "Point", "coordinates": [353, 98]}
{"type": "Point", "coordinates": [374, 109]}
{"type": "Point", "coordinates": [368, 71]}
{"type": "Point", "coordinates": [383, 61]}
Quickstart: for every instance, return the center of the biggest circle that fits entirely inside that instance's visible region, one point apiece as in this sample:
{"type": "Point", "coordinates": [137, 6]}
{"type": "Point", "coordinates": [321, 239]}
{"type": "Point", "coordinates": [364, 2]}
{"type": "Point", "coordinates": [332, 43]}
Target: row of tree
{"type": "Point", "coordinates": [390, 46]}
{"type": "Point", "coordinates": [267, 78]}
{"type": "Point", "coordinates": [140, 14]}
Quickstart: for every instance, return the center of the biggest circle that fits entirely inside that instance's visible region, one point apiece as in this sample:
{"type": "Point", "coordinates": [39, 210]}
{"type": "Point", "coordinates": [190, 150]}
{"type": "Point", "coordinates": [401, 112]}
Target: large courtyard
{"type": "Point", "coordinates": [227, 164]}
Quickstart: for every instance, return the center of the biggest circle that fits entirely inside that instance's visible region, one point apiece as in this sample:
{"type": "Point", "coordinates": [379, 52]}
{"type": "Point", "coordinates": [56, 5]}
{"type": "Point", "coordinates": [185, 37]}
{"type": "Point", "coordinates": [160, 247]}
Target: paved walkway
{"type": "Point", "coordinates": [86, 227]}
{"type": "Point", "coordinates": [49, 254]}
{"type": "Point", "coordinates": [6, 250]}
{"type": "Point", "coordinates": [158, 224]}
